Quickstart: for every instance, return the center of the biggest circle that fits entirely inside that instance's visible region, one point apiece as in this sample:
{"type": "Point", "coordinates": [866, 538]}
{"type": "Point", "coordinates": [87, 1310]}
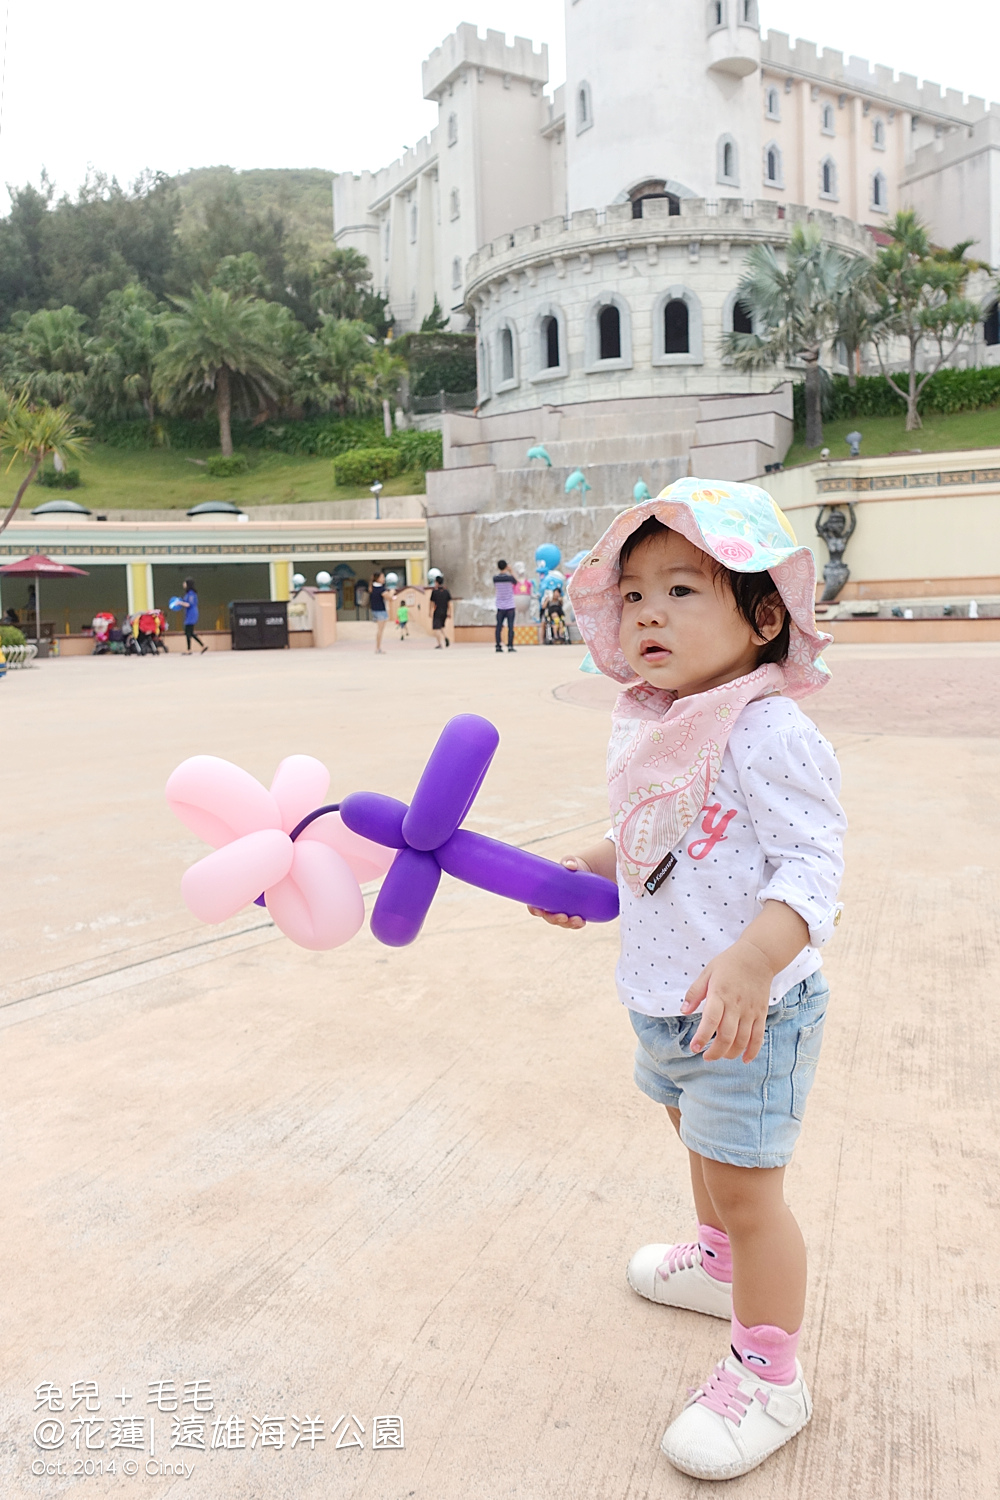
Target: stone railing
{"type": "Point", "coordinates": [701, 220]}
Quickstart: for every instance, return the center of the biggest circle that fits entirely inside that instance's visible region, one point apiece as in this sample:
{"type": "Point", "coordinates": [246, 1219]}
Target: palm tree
{"type": "Point", "coordinates": [794, 305]}
{"type": "Point", "coordinates": [129, 338]}
{"type": "Point", "coordinates": [31, 433]}
{"type": "Point", "coordinates": [49, 354]}
{"type": "Point", "coordinates": [223, 346]}
{"type": "Point", "coordinates": [343, 355]}
{"type": "Point", "coordinates": [385, 372]}
{"type": "Point", "coordinates": [920, 300]}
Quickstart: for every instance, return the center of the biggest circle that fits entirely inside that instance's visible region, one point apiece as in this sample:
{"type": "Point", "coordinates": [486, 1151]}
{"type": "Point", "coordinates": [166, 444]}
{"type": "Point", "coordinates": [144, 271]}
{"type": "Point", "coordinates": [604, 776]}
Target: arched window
{"type": "Point", "coordinates": [609, 329]}
{"type": "Point", "coordinates": [991, 325]}
{"type": "Point", "coordinates": [773, 170]}
{"type": "Point", "coordinates": [878, 135]}
{"type": "Point", "coordinates": [716, 14]}
{"type": "Point", "coordinates": [749, 12]}
{"type": "Point", "coordinates": [828, 178]}
{"type": "Point", "coordinates": [413, 223]}
{"type": "Point", "coordinates": [675, 327]}
{"type": "Point", "coordinates": [506, 354]}
{"type": "Point", "coordinates": [456, 272]}
{"type": "Point", "coordinates": [726, 165]}
{"type": "Point", "coordinates": [455, 203]}
{"type": "Point", "coordinates": [880, 192]}
{"type": "Point", "coordinates": [550, 343]}
{"type": "Point", "coordinates": [584, 108]}
{"type": "Point", "coordinates": [826, 119]}
{"type": "Point", "coordinates": [742, 321]}
{"type": "Point", "coordinates": [772, 104]}
{"type": "Point", "coordinates": [452, 129]}
{"type": "Point", "coordinates": [673, 203]}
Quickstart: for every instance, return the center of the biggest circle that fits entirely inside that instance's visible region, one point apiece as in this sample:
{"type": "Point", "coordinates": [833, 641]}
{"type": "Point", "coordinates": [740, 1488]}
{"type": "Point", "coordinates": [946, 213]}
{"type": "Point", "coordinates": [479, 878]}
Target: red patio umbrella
{"type": "Point", "coordinates": [39, 566]}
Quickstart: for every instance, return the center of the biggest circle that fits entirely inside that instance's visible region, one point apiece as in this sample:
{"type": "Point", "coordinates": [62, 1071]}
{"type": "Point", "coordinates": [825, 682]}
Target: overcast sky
{"type": "Point", "coordinates": [120, 87]}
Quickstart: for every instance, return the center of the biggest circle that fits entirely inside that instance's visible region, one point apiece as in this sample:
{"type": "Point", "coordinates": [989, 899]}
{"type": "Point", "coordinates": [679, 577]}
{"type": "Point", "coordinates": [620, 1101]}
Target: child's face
{"type": "Point", "coordinates": [680, 626]}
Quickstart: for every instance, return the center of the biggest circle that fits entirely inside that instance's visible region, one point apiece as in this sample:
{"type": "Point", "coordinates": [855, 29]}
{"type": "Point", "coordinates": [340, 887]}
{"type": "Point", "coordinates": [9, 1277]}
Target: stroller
{"type": "Point", "coordinates": [103, 625]}
{"type": "Point", "coordinates": [147, 633]}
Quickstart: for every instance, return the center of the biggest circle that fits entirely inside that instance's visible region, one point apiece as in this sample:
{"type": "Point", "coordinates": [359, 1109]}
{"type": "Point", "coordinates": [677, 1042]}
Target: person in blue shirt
{"type": "Point", "coordinates": [190, 600]}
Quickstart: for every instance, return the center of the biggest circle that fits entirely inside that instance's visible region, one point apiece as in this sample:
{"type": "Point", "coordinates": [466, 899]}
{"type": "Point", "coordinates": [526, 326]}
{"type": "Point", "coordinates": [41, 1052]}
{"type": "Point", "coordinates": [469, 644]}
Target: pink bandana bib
{"type": "Point", "coordinates": [664, 759]}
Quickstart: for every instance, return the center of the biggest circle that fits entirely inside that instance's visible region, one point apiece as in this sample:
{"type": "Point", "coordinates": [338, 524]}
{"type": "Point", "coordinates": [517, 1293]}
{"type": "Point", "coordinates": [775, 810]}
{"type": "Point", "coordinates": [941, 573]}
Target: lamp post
{"type": "Point", "coordinates": [376, 490]}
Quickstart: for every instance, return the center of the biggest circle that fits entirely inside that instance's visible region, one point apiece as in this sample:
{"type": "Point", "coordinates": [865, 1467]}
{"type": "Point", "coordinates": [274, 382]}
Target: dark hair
{"type": "Point", "coordinates": [501, 562]}
{"type": "Point", "coordinates": [189, 584]}
{"type": "Point", "coordinates": [755, 594]}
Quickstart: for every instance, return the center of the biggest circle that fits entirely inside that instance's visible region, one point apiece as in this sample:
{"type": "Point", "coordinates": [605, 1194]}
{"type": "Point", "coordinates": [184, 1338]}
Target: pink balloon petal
{"type": "Point", "coordinates": [300, 785]}
{"type": "Point", "coordinates": [319, 905]}
{"type": "Point", "coordinates": [219, 801]}
{"type": "Point", "coordinates": [222, 883]}
{"type": "Point", "coordinates": [366, 859]}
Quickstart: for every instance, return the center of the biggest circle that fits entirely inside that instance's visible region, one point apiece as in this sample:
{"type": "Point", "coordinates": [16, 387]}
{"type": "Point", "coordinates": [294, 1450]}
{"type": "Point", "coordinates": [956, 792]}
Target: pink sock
{"type": "Point", "coordinates": [769, 1352]}
{"type": "Point", "coordinates": [716, 1256]}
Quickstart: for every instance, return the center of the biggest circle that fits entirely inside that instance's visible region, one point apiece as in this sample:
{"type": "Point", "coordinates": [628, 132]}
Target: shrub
{"type": "Point", "coordinates": [419, 450]}
{"type": "Point", "coordinates": [946, 392]}
{"type": "Point", "coordinates": [11, 636]}
{"type": "Point", "coordinates": [439, 361]}
{"type": "Point", "coordinates": [365, 465]}
{"type": "Point", "coordinates": [53, 479]}
{"type": "Point", "coordinates": [223, 467]}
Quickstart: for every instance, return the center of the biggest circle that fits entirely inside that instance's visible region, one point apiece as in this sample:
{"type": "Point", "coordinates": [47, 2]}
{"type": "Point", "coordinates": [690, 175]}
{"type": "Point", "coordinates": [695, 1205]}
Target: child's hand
{"type": "Point", "coordinates": [736, 986]}
{"type": "Point", "coordinates": [560, 919]}
{"type": "Point", "coordinates": [733, 991]}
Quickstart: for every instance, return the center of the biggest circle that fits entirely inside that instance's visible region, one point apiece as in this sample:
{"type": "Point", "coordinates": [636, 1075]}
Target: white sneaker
{"type": "Point", "coordinates": [674, 1276]}
{"type": "Point", "coordinates": [734, 1421]}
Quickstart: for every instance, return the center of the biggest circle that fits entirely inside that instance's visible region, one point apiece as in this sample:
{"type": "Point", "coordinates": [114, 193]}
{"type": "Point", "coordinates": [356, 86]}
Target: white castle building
{"type": "Point", "coordinates": [594, 238]}
{"type": "Point", "coordinates": [699, 120]}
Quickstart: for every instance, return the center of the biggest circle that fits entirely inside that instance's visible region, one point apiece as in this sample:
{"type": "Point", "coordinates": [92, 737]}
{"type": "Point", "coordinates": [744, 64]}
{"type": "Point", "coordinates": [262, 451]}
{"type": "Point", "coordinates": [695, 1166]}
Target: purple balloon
{"type": "Point", "coordinates": [375, 817]}
{"type": "Point", "coordinates": [515, 873]}
{"type": "Point", "coordinates": [429, 839]}
{"type": "Point", "coordinates": [405, 898]}
{"type": "Point", "coordinates": [452, 777]}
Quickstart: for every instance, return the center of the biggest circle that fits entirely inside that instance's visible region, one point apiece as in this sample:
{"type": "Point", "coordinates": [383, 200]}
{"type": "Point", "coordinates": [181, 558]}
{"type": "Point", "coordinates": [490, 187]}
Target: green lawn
{"type": "Point", "coordinates": [966, 429]}
{"type": "Point", "coordinates": [165, 479]}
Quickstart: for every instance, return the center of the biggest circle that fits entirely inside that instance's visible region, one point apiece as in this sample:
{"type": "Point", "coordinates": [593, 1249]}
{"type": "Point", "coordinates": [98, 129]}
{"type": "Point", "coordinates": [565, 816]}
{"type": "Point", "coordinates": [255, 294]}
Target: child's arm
{"type": "Point", "coordinates": [734, 989]}
{"type": "Point", "coordinates": [600, 859]}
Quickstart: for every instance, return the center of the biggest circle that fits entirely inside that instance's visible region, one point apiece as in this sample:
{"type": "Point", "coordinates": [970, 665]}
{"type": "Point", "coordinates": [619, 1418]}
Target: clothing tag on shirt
{"type": "Point", "coordinates": [659, 875]}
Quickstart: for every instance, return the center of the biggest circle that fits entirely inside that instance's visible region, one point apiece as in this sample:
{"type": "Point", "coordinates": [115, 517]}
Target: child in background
{"type": "Point", "coordinates": [726, 846]}
{"type": "Point", "coordinates": [403, 619]}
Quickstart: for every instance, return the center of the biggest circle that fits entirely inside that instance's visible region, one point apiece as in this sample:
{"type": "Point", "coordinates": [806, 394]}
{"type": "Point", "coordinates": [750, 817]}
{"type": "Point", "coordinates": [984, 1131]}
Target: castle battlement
{"type": "Point", "coordinates": [803, 59]}
{"type": "Point", "coordinates": [465, 48]}
{"type": "Point", "coordinates": [701, 221]}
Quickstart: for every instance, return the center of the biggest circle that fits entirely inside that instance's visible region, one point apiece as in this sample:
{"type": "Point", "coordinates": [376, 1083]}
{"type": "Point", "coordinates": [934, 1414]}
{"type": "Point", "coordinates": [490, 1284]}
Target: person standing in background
{"type": "Point", "coordinates": [440, 599]}
{"type": "Point", "coordinates": [503, 583]}
{"type": "Point", "coordinates": [378, 608]}
{"type": "Point", "coordinates": [189, 599]}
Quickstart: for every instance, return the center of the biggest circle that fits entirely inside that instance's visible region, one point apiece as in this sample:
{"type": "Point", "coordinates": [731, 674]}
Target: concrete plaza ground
{"type": "Point", "coordinates": [407, 1182]}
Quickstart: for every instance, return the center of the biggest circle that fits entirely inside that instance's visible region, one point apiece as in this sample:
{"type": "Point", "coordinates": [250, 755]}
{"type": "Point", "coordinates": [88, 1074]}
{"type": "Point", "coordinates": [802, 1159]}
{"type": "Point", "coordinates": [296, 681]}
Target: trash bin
{"type": "Point", "coordinates": [259, 624]}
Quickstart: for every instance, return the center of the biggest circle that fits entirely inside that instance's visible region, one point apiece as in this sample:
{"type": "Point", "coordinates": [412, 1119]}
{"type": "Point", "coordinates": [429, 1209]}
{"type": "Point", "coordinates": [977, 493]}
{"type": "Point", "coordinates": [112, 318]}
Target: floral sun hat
{"type": "Point", "coordinates": [743, 529]}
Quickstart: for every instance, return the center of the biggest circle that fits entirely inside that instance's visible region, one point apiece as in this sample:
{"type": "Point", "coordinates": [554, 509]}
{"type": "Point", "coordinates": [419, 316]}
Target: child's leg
{"type": "Point", "coordinates": [704, 1206]}
{"type": "Point", "coordinates": [769, 1255]}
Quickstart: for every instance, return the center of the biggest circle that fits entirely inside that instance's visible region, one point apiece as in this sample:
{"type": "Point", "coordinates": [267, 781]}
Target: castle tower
{"type": "Point", "coordinates": [662, 96]}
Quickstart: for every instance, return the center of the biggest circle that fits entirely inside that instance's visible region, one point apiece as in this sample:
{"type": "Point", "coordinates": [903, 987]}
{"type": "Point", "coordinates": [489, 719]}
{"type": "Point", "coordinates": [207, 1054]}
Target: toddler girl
{"type": "Point", "coordinates": [726, 845]}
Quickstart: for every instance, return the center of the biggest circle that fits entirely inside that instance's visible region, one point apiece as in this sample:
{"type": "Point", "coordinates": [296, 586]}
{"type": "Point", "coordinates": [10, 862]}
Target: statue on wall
{"type": "Point", "coordinates": [836, 528]}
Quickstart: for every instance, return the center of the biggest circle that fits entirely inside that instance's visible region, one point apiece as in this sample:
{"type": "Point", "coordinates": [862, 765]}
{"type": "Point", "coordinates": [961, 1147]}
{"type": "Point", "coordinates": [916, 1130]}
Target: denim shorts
{"type": "Point", "coordinates": [380, 614]}
{"type": "Point", "coordinates": [746, 1114]}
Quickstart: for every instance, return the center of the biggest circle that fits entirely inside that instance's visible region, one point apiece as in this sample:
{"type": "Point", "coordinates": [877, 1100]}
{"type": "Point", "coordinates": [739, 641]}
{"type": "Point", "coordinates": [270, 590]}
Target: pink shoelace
{"type": "Point", "coordinates": [721, 1393]}
{"type": "Point", "coordinates": [679, 1258]}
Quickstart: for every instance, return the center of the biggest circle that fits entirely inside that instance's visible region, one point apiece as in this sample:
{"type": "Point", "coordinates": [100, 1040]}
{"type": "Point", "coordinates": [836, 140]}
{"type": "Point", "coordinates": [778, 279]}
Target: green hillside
{"type": "Point", "coordinates": [958, 430]}
{"type": "Point", "coordinates": [167, 479]}
{"type": "Point", "coordinates": [302, 196]}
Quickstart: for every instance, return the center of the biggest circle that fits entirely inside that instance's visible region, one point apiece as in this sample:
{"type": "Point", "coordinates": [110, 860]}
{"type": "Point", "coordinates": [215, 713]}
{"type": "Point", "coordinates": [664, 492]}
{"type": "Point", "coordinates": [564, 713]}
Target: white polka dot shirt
{"type": "Point", "coordinates": [771, 831]}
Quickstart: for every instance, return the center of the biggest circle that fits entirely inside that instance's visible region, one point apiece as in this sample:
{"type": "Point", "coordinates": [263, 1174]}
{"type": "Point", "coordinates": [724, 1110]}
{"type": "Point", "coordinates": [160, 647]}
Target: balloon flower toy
{"type": "Point", "coordinates": [309, 860]}
{"type": "Point", "coordinates": [429, 839]}
{"type": "Point", "coordinates": [279, 842]}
